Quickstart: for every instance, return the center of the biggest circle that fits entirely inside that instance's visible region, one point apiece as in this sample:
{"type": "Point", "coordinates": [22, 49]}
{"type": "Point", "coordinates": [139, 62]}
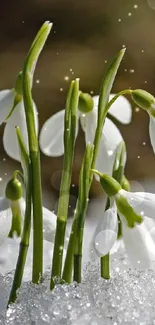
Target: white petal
{"type": "Point", "coordinates": [142, 202]}
{"type": "Point", "coordinates": [52, 135]}
{"type": "Point", "coordinates": [139, 245]}
{"type": "Point", "coordinates": [110, 139]}
{"type": "Point", "coordinates": [106, 232]}
{"type": "Point", "coordinates": [4, 204]}
{"type": "Point", "coordinates": [49, 225]}
{"type": "Point", "coordinates": [152, 131]}
{"type": "Point", "coordinates": [6, 103]}
{"type": "Point", "coordinates": [9, 253]}
{"type": "Point", "coordinates": [5, 224]}
{"type": "Point", "coordinates": [120, 109]}
{"type": "Point", "coordinates": [17, 118]}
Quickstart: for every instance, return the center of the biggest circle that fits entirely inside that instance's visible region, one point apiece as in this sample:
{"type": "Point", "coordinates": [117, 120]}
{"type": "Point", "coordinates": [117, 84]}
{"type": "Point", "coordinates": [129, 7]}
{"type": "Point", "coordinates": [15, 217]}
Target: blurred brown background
{"type": "Point", "coordinates": [86, 34]}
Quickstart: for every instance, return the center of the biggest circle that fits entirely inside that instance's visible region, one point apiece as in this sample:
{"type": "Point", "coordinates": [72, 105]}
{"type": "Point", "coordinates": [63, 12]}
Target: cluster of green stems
{"type": "Point", "coordinates": [30, 160]}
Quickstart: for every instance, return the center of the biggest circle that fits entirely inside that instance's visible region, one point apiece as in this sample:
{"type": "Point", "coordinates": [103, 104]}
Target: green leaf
{"type": "Point", "coordinates": [25, 161]}
{"type": "Point", "coordinates": [37, 47]}
{"type": "Point", "coordinates": [107, 85]}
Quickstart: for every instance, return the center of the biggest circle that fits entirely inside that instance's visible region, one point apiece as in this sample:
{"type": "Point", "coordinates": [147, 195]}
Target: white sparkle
{"type": "Point", "coordinates": [66, 78]}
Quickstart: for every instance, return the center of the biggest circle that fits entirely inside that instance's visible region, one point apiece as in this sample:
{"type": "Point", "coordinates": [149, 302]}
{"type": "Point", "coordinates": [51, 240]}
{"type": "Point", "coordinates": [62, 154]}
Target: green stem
{"type": "Point", "coordinates": [36, 180]}
{"type": "Point", "coordinates": [27, 224]}
{"type": "Point", "coordinates": [37, 218]}
{"type": "Point", "coordinates": [105, 266]}
{"type": "Point", "coordinates": [76, 240]}
{"type": "Point", "coordinates": [69, 142]}
{"type": "Point", "coordinates": [77, 267]}
{"type": "Point", "coordinates": [121, 93]}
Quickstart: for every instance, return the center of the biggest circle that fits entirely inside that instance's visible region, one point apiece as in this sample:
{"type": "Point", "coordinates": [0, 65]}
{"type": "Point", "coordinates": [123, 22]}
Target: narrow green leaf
{"type": "Point", "coordinates": [107, 85]}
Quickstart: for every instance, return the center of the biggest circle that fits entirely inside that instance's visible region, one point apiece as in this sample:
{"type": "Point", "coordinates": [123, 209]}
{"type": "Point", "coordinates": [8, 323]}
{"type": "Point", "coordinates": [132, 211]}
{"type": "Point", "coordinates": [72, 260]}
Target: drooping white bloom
{"type": "Point", "coordinates": [17, 118]}
{"type": "Point", "coordinates": [138, 240]}
{"type": "Point", "coordinates": [51, 136]}
{"type": "Point", "coordinates": [49, 220]}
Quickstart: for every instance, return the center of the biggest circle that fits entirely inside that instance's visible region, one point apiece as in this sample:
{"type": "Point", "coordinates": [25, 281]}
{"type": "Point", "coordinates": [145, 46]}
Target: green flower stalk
{"type": "Point", "coordinates": [24, 244]}
{"type": "Point", "coordinates": [69, 143]}
{"type": "Point", "coordinates": [76, 240]}
{"type": "Point", "coordinates": [27, 80]}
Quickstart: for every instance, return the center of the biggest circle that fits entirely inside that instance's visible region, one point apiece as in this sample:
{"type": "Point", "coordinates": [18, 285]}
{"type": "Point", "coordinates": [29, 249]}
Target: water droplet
{"type": "Point", "coordinates": [142, 213]}
{"type": "Point", "coordinates": [110, 152]}
{"type": "Point", "coordinates": [131, 70]}
{"type": "Point", "coordinates": [138, 157]}
{"type": "Point", "coordinates": [137, 109]}
{"type": "Point", "coordinates": [145, 81]}
{"type": "Point", "coordinates": [105, 61]}
{"type": "Point", "coordinates": [91, 92]}
{"type": "Point", "coordinates": [1, 179]}
{"type": "Point", "coordinates": [123, 45]}
{"type": "Point", "coordinates": [57, 53]}
{"type": "Point", "coordinates": [23, 21]}
{"type": "Point", "coordinates": [144, 143]}
{"type": "Point", "coordinates": [119, 20]}
{"type": "Point", "coordinates": [151, 4]}
{"type": "Point", "coordinates": [129, 14]}
{"type": "Point", "coordinates": [135, 6]}
{"type": "Point", "coordinates": [142, 51]}
{"type": "Point", "coordinates": [73, 185]}
{"type": "Point", "coordinates": [66, 78]}
{"type": "Point", "coordinates": [125, 70]}
{"type": "Point", "coordinates": [37, 81]}
{"type": "Point", "coordinates": [61, 89]}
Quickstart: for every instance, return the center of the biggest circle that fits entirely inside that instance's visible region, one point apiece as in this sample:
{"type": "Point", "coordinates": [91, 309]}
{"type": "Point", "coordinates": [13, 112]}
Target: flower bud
{"type": "Point", "coordinates": [13, 190]}
{"type": "Point", "coordinates": [144, 100]}
{"type": "Point", "coordinates": [86, 103]}
{"type": "Point", "coordinates": [109, 184]}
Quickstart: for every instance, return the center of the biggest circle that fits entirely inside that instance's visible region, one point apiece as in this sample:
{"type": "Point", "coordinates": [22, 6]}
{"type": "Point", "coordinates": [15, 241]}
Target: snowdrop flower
{"type": "Point", "coordinates": [12, 210]}
{"type": "Point", "coordinates": [132, 208]}
{"type": "Point", "coordinates": [12, 112]}
{"type": "Point", "coordinates": [51, 136]}
{"type": "Point", "coordinates": [49, 220]}
{"type": "Point", "coordinates": [146, 101]}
